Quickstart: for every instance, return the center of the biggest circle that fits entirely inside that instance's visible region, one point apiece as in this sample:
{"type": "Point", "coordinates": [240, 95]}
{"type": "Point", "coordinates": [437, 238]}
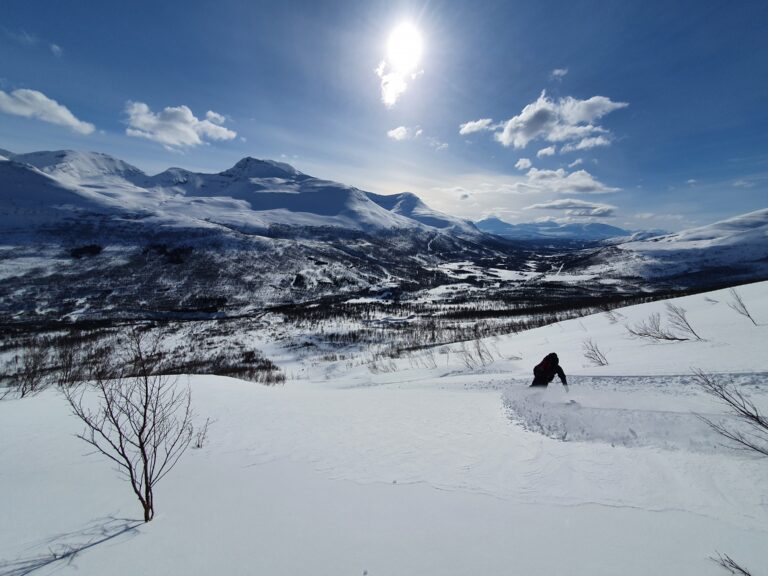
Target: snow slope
{"type": "Point", "coordinates": [424, 470]}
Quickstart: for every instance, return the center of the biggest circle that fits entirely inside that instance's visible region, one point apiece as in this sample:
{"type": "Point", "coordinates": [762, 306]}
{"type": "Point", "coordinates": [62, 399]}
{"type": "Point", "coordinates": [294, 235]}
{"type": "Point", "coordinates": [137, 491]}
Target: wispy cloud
{"type": "Point", "coordinates": [404, 133]}
{"type": "Point", "coordinates": [558, 73]}
{"type": "Point", "coordinates": [573, 207]}
{"type": "Point", "coordinates": [436, 143]}
{"type": "Point", "coordinates": [475, 126]}
{"type": "Point", "coordinates": [175, 126]}
{"type": "Point", "coordinates": [27, 39]}
{"type": "Point", "coordinates": [587, 143]}
{"type": "Point", "coordinates": [21, 37]}
{"type": "Point", "coordinates": [523, 164]}
{"type": "Point", "coordinates": [35, 104]}
{"type": "Point", "coordinates": [568, 120]}
{"type": "Point", "coordinates": [548, 151]}
{"type": "Point", "coordinates": [575, 163]}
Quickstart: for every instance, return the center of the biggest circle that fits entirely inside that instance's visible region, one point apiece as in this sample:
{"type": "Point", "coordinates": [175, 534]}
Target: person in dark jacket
{"type": "Point", "coordinates": [545, 371]}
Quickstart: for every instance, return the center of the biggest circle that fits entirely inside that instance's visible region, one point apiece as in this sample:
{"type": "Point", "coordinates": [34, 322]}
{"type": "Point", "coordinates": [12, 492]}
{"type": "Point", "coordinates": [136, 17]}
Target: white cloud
{"type": "Point", "coordinates": [587, 143]}
{"type": "Point", "coordinates": [523, 164]}
{"type": "Point", "coordinates": [475, 126]}
{"type": "Point", "coordinates": [692, 182]}
{"type": "Point", "coordinates": [548, 151]}
{"type": "Point", "coordinates": [215, 117]}
{"type": "Point", "coordinates": [405, 133]}
{"type": "Point", "coordinates": [399, 133]}
{"type": "Point", "coordinates": [574, 207]}
{"type": "Point", "coordinates": [744, 184]}
{"type": "Point", "coordinates": [562, 182]}
{"type": "Point", "coordinates": [575, 163]}
{"type": "Point", "coordinates": [564, 120]}
{"type": "Point", "coordinates": [34, 104]}
{"type": "Point", "coordinates": [175, 127]}
{"type": "Point", "coordinates": [393, 82]}
{"type": "Point", "coordinates": [56, 50]}
{"type": "Point", "coordinates": [558, 73]}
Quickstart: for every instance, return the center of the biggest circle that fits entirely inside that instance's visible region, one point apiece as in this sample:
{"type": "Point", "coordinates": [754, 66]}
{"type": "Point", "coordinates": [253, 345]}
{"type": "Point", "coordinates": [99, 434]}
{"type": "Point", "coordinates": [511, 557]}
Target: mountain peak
{"type": "Point", "coordinates": [250, 167]}
{"type": "Point", "coordinates": [77, 164]}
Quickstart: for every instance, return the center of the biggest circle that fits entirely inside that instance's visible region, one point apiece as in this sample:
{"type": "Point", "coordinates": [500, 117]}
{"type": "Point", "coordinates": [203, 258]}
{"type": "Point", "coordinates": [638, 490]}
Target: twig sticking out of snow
{"type": "Point", "coordinates": [593, 353]}
{"type": "Point", "coordinates": [739, 306]}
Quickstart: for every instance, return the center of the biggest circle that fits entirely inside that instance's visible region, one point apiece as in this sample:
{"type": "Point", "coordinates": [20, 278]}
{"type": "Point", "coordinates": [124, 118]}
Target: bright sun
{"type": "Point", "coordinates": [404, 48]}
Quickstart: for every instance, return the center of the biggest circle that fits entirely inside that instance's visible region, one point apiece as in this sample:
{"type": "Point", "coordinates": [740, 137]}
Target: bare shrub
{"type": "Point", "coordinates": [754, 434]}
{"type": "Point", "coordinates": [593, 353]}
{"type": "Point", "coordinates": [476, 355]}
{"type": "Point", "coordinates": [678, 319]}
{"type": "Point", "coordinates": [652, 329]}
{"type": "Point", "coordinates": [142, 421]}
{"type": "Point", "coordinates": [739, 306]}
{"type": "Point", "coordinates": [730, 564]}
{"type": "Point", "coordinates": [201, 435]}
{"type": "Point", "coordinates": [753, 438]}
{"type": "Point", "coordinates": [27, 373]}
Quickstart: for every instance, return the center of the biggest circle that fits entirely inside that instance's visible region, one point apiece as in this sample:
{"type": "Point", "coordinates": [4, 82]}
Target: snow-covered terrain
{"type": "Point", "coordinates": [733, 249]}
{"type": "Point", "coordinates": [252, 196]}
{"type": "Point", "coordinates": [441, 461]}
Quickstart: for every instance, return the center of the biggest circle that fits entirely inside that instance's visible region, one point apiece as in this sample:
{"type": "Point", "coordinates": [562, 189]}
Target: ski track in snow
{"type": "Point", "coordinates": [663, 412]}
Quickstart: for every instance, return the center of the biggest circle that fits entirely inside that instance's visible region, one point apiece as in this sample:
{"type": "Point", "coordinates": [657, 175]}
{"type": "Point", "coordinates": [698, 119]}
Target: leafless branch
{"type": "Point", "coordinates": [593, 353]}
{"type": "Point", "coordinates": [739, 306]}
{"type": "Point", "coordinates": [677, 317]}
{"type": "Point", "coordinates": [653, 330]}
{"type": "Point", "coordinates": [730, 564]}
{"type": "Point", "coordinates": [754, 436]}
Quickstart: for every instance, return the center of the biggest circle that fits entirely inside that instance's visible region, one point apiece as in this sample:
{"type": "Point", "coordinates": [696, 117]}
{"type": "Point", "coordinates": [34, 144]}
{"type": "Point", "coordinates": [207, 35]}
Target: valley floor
{"type": "Point", "coordinates": [415, 470]}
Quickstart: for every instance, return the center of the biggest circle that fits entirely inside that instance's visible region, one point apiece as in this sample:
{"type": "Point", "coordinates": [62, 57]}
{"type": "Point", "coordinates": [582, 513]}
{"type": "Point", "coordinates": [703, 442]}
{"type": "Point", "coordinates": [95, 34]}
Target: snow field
{"type": "Point", "coordinates": [446, 470]}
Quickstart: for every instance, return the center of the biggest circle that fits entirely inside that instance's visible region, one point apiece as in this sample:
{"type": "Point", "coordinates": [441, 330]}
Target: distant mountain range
{"type": "Point", "coordinates": [547, 230]}
{"type": "Point", "coordinates": [86, 235]}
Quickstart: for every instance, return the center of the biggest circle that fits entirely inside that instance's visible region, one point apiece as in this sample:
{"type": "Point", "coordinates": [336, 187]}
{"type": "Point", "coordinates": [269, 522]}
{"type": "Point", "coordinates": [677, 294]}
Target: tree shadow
{"type": "Point", "coordinates": [66, 546]}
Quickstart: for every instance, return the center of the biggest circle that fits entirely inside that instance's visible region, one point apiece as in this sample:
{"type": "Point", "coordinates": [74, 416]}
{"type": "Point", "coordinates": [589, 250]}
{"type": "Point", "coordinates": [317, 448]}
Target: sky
{"type": "Point", "coordinates": [641, 114]}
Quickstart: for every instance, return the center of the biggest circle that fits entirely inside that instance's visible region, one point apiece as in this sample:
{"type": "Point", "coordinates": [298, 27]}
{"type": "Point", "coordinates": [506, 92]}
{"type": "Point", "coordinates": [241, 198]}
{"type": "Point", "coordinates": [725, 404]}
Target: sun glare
{"type": "Point", "coordinates": [404, 48]}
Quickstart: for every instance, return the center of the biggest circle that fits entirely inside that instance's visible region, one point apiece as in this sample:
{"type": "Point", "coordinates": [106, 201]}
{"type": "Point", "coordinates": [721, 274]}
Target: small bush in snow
{"type": "Point", "coordinates": [652, 328]}
{"type": "Point", "coordinates": [730, 564]}
{"type": "Point", "coordinates": [739, 306]}
{"type": "Point", "coordinates": [593, 353]}
{"type": "Point", "coordinates": [28, 372]}
{"type": "Point", "coordinates": [142, 421]}
{"type": "Point", "coordinates": [677, 317]}
{"type": "Point", "coordinates": [202, 434]}
{"type": "Point", "coordinates": [753, 434]}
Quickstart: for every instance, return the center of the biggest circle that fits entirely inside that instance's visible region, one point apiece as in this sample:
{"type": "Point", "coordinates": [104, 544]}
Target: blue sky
{"type": "Point", "coordinates": [640, 114]}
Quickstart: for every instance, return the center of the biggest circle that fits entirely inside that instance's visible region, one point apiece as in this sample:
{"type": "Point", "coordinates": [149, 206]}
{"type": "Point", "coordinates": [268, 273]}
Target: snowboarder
{"type": "Point", "coordinates": [545, 371]}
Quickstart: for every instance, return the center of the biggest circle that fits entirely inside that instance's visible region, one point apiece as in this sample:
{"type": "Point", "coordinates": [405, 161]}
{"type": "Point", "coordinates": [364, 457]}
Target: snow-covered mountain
{"type": "Point", "coordinates": [728, 251]}
{"type": "Point", "coordinates": [548, 230]}
{"type": "Point", "coordinates": [254, 196]}
{"type": "Point", "coordinates": [409, 205]}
